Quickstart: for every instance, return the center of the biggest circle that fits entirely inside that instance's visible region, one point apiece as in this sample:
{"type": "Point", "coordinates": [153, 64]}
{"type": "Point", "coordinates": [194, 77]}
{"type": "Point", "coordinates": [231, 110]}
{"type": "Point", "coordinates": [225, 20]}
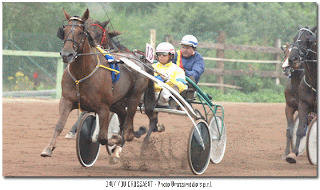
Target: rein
{"type": "Point", "coordinates": [304, 78]}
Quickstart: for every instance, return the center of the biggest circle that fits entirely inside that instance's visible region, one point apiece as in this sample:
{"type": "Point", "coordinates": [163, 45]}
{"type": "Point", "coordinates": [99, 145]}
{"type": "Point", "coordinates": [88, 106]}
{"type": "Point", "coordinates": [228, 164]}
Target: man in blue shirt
{"type": "Point", "coordinates": [189, 59]}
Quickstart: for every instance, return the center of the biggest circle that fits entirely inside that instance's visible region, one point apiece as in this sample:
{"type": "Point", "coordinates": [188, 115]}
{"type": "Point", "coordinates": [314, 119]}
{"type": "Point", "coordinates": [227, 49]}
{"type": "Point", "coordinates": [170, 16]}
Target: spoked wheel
{"type": "Point", "coordinates": [87, 151]}
{"type": "Point", "coordinates": [113, 129]}
{"type": "Point", "coordinates": [302, 146]}
{"type": "Point", "coordinates": [199, 147]}
{"type": "Point", "coordinates": [312, 143]}
{"type": "Point", "coordinates": [218, 142]}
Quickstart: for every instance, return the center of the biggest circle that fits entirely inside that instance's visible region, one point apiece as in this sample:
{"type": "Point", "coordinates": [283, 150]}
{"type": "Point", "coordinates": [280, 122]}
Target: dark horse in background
{"type": "Point", "coordinates": [291, 94]}
{"type": "Point", "coordinates": [90, 88]}
{"type": "Point", "coordinates": [304, 51]}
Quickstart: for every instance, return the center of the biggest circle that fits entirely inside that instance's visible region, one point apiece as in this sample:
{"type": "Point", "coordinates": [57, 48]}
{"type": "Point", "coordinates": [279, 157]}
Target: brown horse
{"type": "Point", "coordinates": [88, 87]}
{"type": "Point", "coordinates": [304, 52]}
{"type": "Point", "coordinates": [291, 95]}
{"type": "Point", "coordinates": [104, 38]}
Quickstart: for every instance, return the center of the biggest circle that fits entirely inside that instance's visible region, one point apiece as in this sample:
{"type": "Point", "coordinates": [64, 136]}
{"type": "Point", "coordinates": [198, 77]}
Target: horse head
{"type": "Point", "coordinates": [286, 69]}
{"type": "Point", "coordinates": [74, 35]}
{"type": "Point", "coordinates": [304, 47]}
{"type": "Point", "coordinates": [100, 34]}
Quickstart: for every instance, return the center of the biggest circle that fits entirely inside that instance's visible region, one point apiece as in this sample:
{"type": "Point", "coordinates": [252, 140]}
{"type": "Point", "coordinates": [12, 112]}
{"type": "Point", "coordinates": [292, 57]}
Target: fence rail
{"type": "Point", "coordinates": [42, 54]}
{"type": "Point", "coordinates": [221, 47]}
{"type": "Point", "coordinates": [37, 94]}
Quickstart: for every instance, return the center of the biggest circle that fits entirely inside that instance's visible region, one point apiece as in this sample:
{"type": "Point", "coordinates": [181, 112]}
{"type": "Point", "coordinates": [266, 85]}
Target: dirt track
{"type": "Point", "coordinates": [255, 145]}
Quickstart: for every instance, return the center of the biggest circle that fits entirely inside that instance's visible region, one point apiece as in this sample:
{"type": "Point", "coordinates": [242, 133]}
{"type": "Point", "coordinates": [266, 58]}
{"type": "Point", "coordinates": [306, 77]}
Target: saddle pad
{"type": "Point", "coordinates": [115, 76]}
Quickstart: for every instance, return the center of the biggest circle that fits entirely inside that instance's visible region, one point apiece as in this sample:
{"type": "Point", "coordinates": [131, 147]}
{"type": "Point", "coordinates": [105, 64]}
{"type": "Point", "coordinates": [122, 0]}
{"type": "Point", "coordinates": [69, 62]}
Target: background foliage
{"type": "Point", "coordinates": [33, 26]}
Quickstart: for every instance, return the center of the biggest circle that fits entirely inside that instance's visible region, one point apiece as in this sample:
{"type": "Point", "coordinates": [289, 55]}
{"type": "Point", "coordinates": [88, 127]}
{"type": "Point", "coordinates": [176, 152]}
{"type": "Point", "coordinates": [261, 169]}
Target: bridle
{"type": "Point", "coordinates": [103, 42]}
{"type": "Point", "coordinates": [104, 38]}
{"type": "Point", "coordinates": [304, 52]}
{"type": "Point", "coordinates": [76, 46]}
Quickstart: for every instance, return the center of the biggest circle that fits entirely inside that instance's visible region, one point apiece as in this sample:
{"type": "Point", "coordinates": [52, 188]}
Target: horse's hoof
{"type": "Point", "coordinates": [114, 160]}
{"type": "Point", "coordinates": [114, 140]}
{"type": "Point", "coordinates": [70, 135]}
{"type": "Point", "coordinates": [103, 141]}
{"type": "Point", "coordinates": [291, 158]}
{"type": "Point", "coordinates": [128, 136]}
{"type": "Point", "coordinates": [140, 132]}
{"type": "Point", "coordinates": [47, 152]}
{"type": "Point", "coordinates": [160, 128]}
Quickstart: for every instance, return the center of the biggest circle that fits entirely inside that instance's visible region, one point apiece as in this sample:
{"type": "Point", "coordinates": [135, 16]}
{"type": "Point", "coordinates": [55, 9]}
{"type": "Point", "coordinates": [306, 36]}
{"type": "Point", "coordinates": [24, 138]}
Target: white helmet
{"type": "Point", "coordinates": [189, 40]}
{"type": "Point", "coordinates": [165, 47]}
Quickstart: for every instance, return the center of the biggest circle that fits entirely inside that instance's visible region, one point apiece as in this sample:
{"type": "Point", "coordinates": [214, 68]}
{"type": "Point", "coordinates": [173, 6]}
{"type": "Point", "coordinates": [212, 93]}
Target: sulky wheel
{"type": "Point", "coordinates": [113, 129]}
{"type": "Point", "coordinates": [87, 151]}
{"type": "Point", "coordinates": [218, 144]}
{"type": "Point", "coordinates": [312, 142]}
{"type": "Point", "coordinates": [302, 146]}
{"type": "Point", "coordinates": [199, 147]}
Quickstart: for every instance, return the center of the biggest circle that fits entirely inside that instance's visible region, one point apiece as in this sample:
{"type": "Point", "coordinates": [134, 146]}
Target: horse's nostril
{"type": "Point", "coordinates": [70, 55]}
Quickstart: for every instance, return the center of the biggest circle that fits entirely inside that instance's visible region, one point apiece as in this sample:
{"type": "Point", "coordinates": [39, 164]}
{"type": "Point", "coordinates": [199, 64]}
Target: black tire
{"type": "Point", "coordinates": [199, 158]}
{"type": "Point", "coordinates": [87, 151]}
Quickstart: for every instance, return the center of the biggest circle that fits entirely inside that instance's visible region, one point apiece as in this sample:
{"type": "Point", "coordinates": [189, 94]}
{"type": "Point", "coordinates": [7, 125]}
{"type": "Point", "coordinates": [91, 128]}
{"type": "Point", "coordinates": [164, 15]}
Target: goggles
{"type": "Point", "coordinates": [162, 53]}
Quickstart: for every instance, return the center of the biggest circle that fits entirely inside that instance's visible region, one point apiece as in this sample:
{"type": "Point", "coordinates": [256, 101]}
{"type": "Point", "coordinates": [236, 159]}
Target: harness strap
{"type": "Point", "coordinates": [304, 78]}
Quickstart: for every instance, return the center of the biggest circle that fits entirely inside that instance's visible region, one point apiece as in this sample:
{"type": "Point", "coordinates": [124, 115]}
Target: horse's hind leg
{"type": "Point", "coordinates": [153, 120]}
{"type": "Point", "coordinates": [65, 108]}
{"type": "Point", "coordinates": [133, 102]}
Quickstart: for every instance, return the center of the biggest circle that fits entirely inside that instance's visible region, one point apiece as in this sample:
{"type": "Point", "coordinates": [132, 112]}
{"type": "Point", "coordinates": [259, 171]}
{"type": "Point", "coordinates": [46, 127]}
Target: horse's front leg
{"type": "Point", "coordinates": [65, 108]}
{"type": "Point", "coordinates": [303, 111]}
{"type": "Point", "coordinates": [289, 132]}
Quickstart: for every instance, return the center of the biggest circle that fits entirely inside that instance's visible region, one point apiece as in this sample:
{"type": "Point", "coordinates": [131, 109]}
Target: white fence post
{"type": "Point", "coordinates": [153, 38]}
{"type": "Point", "coordinates": [59, 78]}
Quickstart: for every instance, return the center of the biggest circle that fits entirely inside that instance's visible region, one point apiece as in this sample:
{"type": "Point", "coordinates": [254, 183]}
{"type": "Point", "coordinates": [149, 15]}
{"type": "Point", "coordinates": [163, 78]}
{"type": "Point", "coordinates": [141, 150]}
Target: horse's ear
{"type": "Point", "coordinates": [114, 33]}
{"type": "Point", "coordinates": [66, 14]}
{"type": "Point", "coordinates": [105, 23]}
{"type": "Point", "coordinates": [85, 15]}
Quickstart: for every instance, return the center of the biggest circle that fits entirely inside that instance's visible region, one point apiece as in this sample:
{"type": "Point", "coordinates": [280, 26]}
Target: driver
{"type": "Point", "coordinates": [169, 73]}
{"type": "Point", "coordinates": [189, 59]}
